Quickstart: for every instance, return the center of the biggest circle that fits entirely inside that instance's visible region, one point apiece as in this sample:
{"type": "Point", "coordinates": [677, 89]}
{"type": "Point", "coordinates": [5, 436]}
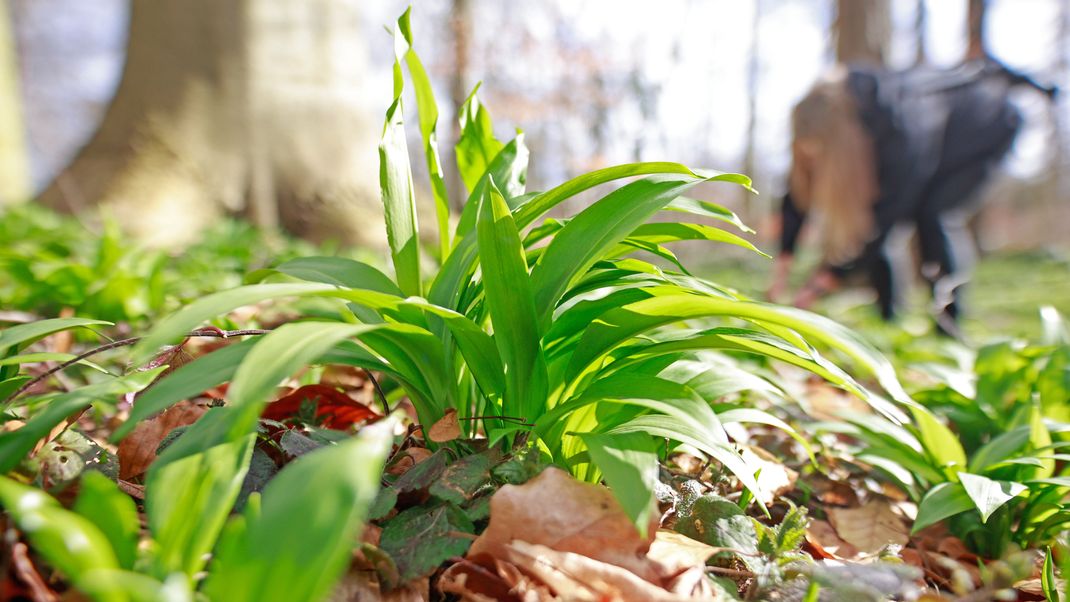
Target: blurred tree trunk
{"type": "Point", "coordinates": [459, 87]}
{"type": "Point", "coordinates": [750, 162]}
{"type": "Point", "coordinates": [14, 164]}
{"type": "Point", "coordinates": [975, 26]}
{"type": "Point", "coordinates": [863, 31]}
{"type": "Point", "coordinates": [921, 20]}
{"type": "Point", "coordinates": [250, 107]}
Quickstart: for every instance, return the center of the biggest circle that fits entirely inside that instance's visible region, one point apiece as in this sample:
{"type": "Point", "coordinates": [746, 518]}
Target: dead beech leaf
{"type": "Point", "coordinates": [676, 551]}
{"type": "Point", "coordinates": [138, 449]}
{"type": "Point", "coordinates": [827, 542]}
{"type": "Point", "coordinates": [574, 576]}
{"type": "Point", "coordinates": [870, 527]}
{"type": "Point", "coordinates": [446, 428]}
{"type": "Point", "coordinates": [561, 513]}
{"type": "Point", "coordinates": [774, 479]}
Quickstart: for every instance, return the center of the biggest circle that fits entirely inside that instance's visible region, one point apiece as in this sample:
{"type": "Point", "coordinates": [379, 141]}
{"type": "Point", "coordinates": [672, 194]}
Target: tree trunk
{"type": "Point", "coordinates": [921, 23]}
{"type": "Point", "coordinates": [250, 107]}
{"type": "Point", "coordinates": [14, 164]}
{"type": "Point", "coordinates": [863, 31]}
{"type": "Point", "coordinates": [975, 25]}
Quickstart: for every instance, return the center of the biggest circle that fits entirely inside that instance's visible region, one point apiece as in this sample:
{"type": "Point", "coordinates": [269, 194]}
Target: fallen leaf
{"type": "Point", "coordinates": [363, 586]}
{"type": "Point", "coordinates": [558, 512]}
{"type": "Point", "coordinates": [138, 449]}
{"type": "Point", "coordinates": [677, 552]}
{"type": "Point", "coordinates": [870, 527]}
{"type": "Point", "coordinates": [824, 538]}
{"type": "Point", "coordinates": [775, 479]}
{"type": "Point", "coordinates": [424, 473]}
{"type": "Point", "coordinates": [409, 458]}
{"type": "Point", "coordinates": [334, 409]}
{"type": "Point", "coordinates": [446, 428]}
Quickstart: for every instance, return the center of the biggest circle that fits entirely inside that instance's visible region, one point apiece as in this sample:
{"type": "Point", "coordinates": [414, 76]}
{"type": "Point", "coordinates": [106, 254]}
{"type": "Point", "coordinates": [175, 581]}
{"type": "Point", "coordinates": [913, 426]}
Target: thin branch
{"type": "Point", "coordinates": [379, 392]}
{"type": "Point", "coordinates": [204, 332]}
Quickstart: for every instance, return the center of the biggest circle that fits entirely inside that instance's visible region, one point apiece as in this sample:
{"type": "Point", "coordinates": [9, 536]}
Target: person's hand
{"type": "Point", "coordinates": [778, 288]}
{"type": "Point", "coordinates": [820, 284]}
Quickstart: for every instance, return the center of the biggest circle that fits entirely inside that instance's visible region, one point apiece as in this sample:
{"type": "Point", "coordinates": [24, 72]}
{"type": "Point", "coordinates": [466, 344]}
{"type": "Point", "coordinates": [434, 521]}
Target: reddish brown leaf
{"type": "Point", "coordinates": [138, 450]}
{"type": "Point", "coordinates": [334, 409]}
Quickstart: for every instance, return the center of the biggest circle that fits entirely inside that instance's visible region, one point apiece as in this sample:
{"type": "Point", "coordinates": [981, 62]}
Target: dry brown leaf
{"type": "Point", "coordinates": [827, 542]}
{"type": "Point", "coordinates": [446, 428]}
{"type": "Point", "coordinates": [574, 576]}
{"type": "Point", "coordinates": [362, 586]}
{"type": "Point", "coordinates": [775, 479]}
{"type": "Point", "coordinates": [409, 458]}
{"type": "Point", "coordinates": [677, 552]}
{"type": "Point", "coordinates": [561, 513]}
{"type": "Point", "coordinates": [870, 527]}
{"type": "Point", "coordinates": [138, 449]}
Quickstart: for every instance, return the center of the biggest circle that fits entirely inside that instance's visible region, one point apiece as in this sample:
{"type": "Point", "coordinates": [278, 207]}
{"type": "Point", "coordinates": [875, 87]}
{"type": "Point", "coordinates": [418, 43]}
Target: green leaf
{"type": "Point", "coordinates": [427, 110]}
{"type": "Point", "coordinates": [68, 541]}
{"type": "Point", "coordinates": [310, 516]}
{"type": "Point", "coordinates": [113, 512]}
{"type": "Point", "coordinates": [943, 501]}
{"type": "Point", "coordinates": [192, 315]}
{"type": "Point", "coordinates": [720, 523]}
{"type": "Point", "coordinates": [939, 442]}
{"type": "Point", "coordinates": [664, 232]}
{"type": "Point", "coordinates": [191, 379]}
{"type": "Point", "coordinates": [477, 146]}
{"type": "Point", "coordinates": [340, 271]}
{"type": "Point", "coordinates": [1000, 448]}
{"type": "Point", "coordinates": [278, 355]}
{"type": "Point", "coordinates": [989, 495]}
{"type": "Point", "coordinates": [399, 201]}
{"type": "Point", "coordinates": [27, 333]}
{"type": "Point", "coordinates": [507, 288]}
{"type": "Point", "coordinates": [629, 465]}
{"type": "Point", "coordinates": [14, 445]}
{"type": "Point", "coordinates": [188, 498]}
{"type": "Point", "coordinates": [420, 539]}
{"type": "Point", "coordinates": [707, 209]}
{"type": "Point", "coordinates": [508, 171]}
{"type": "Point", "coordinates": [464, 478]}
{"type": "Point", "coordinates": [1047, 577]}
{"type": "Point", "coordinates": [595, 230]}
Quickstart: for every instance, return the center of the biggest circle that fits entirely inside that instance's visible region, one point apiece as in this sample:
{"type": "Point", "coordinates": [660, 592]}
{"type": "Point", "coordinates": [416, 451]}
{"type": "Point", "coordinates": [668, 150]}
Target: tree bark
{"type": "Point", "coordinates": [250, 107]}
{"type": "Point", "coordinates": [14, 164]}
{"type": "Point", "coordinates": [863, 31]}
{"type": "Point", "coordinates": [975, 26]}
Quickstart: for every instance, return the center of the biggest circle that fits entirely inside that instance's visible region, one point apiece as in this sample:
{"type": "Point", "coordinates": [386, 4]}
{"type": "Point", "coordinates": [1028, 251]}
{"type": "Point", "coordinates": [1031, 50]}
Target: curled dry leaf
{"type": "Point", "coordinates": [138, 449]}
{"type": "Point", "coordinates": [446, 428]}
{"type": "Point", "coordinates": [561, 513]}
{"type": "Point", "coordinates": [870, 527]}
{"type": "Point", "coordinates": [774, 479]}
{"type": "Point", "coordinates": [334, 409]}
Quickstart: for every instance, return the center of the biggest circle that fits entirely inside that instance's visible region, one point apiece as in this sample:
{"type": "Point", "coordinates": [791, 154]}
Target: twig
{"type": "Point", "coordinates": [730, 572]}
{"type": "Point", "coordinates": [379, 392]}
{"type": "Point", "coordinates": [204, 332]}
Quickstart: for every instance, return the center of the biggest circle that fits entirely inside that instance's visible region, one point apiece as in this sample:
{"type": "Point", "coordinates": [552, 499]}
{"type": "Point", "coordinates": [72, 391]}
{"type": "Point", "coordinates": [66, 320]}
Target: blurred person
{"type": "Point", "coordinates": [872, 149]}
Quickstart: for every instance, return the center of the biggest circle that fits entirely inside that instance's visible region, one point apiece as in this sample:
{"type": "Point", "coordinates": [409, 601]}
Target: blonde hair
{"type": "Point", "coordinates": [833, 170]}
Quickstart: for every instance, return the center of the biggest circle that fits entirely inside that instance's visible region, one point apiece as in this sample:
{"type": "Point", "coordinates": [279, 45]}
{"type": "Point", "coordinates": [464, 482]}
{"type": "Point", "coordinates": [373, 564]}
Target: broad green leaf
{"type": "Point", "coordinates": [508, 171]}
{"type": "Point", "coordinates": [113, 512]}
{"type": "Point", "coordinates": [68, 541]}
{"type": "Point", "coordinates": [989, 495]}
{"type": "Point", "coordinates": [399, 201]}
{"type": "Point", "coordinates": [707, 209]}
{"type": "Point", "coordinates": [720, 523]}
{"type": "Point", "coordinates": [27, 333]}
{"type": "Point", "coordinates": [277, 356]}
{"type": "Point", "coordinates": [1047, 577]}
{"type": "Point", "coordinates": [509, 300]}
{"type": "Point", "coordinates": [191, 379]}
{"type": "Point", "coordinates": [310, 516]}
{"type": "Point", "coordinates": [188, 498]}
{"type": "Point", "coordinates": [422, 538]}
{"type": "Point", "coordinates": [940, 443]}
{"type": "Point", "coordinates": [205, 308]}
{"type": "Point", "coordinates": [32, 358]}
{"type": "Point", "coordinates": [999, 449]}
{"type": "Point", "coordinates": [477, 347]}
{"type": "Point", "coordinates": [340, 271]}
{"type": "Point", "coordinates": [943, 501]}
{"type": "Point", "coordinates": [477, 146]}
{"type": "Point", "coordinates": [595, 230]}
{"type": "Point", "coordinates": [672, 427]}
{"type": "Point", "coordinates": [14, 445]}
{"type": "Point", "coordinates": [10, 385]}
{"type": "Point", "coordinates": [629, 465]}
{"type": "Point", "coordinates": [665, 232]}
{"type": "Point", "coordinates": [112, 584]}
{"type": "Point", "coordinates": [427, 110]}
